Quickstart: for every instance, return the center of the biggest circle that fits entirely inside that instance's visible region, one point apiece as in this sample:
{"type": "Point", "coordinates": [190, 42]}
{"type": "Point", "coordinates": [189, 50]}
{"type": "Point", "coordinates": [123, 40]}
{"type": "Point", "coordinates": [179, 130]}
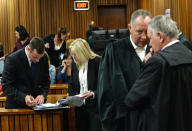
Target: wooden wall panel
{"type": "Point", "coordinates": [180, 12]}
{"type": "Point", "coordinates": [14, 13]}
{"type": "Point", "coordinates": [43, 17]}
{"type": "Point", "coordinates": [29, 16]}
{"type": "Point", "coordinates": [60, 13]}
{"type": "Point", "coordinates": [9, 17]}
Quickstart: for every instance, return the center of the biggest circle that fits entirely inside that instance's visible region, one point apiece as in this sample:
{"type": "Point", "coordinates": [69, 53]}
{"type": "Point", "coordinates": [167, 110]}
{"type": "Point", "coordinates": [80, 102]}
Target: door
{"type": "Point", "coordinates": [112, 17]}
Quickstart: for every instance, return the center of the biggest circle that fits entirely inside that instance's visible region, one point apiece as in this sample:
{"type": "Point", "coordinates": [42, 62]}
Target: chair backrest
{"type": "Point", "coordinates": [101, 38]}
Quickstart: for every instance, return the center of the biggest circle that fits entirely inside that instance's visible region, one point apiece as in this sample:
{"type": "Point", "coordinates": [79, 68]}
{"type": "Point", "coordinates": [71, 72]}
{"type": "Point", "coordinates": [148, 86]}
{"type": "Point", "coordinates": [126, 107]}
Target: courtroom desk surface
{"type": "Point", "coordinates": [51, 98]}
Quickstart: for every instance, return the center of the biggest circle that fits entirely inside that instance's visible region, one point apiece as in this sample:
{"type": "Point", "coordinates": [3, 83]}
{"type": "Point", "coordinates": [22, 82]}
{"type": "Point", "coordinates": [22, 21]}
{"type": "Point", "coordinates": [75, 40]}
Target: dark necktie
{"type": "Point", "coordinates": [33, 70]}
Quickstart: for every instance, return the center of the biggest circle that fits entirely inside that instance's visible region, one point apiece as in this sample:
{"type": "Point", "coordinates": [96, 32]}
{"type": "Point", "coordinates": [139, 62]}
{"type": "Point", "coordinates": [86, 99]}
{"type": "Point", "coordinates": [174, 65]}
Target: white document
{"type": "Point", "coordinates": [48, 105]}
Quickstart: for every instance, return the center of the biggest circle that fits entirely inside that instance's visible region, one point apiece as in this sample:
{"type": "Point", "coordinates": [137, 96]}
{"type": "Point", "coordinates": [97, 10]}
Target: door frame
{"type": "Point", "coordinates": [112, 5]}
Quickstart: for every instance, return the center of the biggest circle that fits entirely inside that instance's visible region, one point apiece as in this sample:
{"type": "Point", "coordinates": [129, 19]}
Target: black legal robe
{"type": "Point", "coordinates": [163, 91]}
{"type": "Point", "coordinates": [119, 68]}
{"type": "Point", "coordinates": [185, 41]}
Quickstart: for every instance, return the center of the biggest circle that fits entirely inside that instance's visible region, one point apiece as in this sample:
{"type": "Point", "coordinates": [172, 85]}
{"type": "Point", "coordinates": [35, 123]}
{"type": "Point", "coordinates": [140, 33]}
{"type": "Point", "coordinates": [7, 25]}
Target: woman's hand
{"type": "Point", "coordinates": [47, 45]}
{"type": "Point", "coordinates": [64, 63]}
{"type": "Point", "coordinates": [87, 94]}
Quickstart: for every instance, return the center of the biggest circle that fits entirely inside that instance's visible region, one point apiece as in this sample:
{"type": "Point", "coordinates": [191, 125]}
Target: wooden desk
{"type": "Point", "coordinates": [29, 120]}
{"type": "Point", "coordinates": [58, 89]}
{"type": "Point", "coordinates": [2, 101]}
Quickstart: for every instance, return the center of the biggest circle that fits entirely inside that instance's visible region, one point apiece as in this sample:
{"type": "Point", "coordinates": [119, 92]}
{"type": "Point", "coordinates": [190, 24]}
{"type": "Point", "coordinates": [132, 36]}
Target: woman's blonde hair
{"type": "Point", "coordinates": [82, 50]}
{"type": "Point", "coordinates": [49, 63]}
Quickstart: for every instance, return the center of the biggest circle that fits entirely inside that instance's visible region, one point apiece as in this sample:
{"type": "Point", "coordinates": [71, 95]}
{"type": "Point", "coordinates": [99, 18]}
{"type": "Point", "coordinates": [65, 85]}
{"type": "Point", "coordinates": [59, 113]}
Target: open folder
{"type": "Point", "coordinates": [76, 101]}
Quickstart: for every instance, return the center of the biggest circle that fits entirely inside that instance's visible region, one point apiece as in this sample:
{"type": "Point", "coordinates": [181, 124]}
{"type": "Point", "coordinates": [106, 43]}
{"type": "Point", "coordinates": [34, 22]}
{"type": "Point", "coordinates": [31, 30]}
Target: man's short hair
{"type": "Point", "coordinates": [38, 44]}
{"type": "Point", "coordinates": [137, 13]}
{"type": "Point", "coordinates": [164, 24]}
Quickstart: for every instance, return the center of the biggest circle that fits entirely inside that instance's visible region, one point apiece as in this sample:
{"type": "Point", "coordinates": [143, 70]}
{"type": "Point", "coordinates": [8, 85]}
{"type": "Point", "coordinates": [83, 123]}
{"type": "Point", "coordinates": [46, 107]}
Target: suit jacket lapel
{"type": "Point", "coordinates": [89, 73]}
{"type": "Point", "coordinates": [26, 64]}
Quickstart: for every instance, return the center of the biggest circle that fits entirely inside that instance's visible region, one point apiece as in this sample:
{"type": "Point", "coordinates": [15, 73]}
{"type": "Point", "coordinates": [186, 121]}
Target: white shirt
{"type": "Point", "coordinates": [83, 78]}
{"type": "Point", "coordinates": [170, 43]}
{"type": "Point", "coordinates": [57, 47]}
{"type": "Point", "coordinates": [29, 60]}
{"type": "Point", "coordinates": [141, 51]}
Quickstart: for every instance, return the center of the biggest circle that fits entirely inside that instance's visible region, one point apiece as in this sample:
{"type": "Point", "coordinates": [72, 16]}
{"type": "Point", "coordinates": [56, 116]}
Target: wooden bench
{"type": "Point", "coordinates": [52, 98]}
{"type": "Point", "coordinates": [54, 89]}
{"type": "Point", "coordinates": [58, 89]}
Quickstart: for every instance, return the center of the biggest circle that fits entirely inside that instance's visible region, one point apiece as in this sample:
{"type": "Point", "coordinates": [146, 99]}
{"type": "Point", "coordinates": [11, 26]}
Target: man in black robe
{"type": "Point", "coordinates": [163, 91]}
{"type": "Point", "coordinates": [119, 68]}
{"type": "Point", "coordinates": [184, 40]}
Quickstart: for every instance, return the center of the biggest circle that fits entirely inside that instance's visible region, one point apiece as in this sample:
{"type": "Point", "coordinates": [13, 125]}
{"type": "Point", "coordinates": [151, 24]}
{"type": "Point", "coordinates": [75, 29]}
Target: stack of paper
{"type": "Point", "coordinates": [76, 101]}
{"type": "Point", "coordinates": [48, 106]}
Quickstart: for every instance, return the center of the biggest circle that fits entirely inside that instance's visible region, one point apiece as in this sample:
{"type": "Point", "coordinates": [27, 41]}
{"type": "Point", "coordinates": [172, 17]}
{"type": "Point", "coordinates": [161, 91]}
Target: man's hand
{"type": "Point", "coordinates": [149, 55]}
{"type": "Point", "coordinates": [30, 101]}
{"type": "Point", "coordinates": [39, 99]}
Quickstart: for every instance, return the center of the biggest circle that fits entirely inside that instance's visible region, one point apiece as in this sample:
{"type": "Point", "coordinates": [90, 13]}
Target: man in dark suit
{"type": "Point", "coordinates": [25, 78]}
{"type": "Point", "coordinates": [163, 91]}
{"type": "Point", "coordinates": [119, 68]}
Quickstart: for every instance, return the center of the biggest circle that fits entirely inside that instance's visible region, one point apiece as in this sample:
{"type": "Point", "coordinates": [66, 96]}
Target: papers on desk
{"type": "Point", "coordinates": [49, 106]}
{"type": "Point", "coordinates": [76, 101]}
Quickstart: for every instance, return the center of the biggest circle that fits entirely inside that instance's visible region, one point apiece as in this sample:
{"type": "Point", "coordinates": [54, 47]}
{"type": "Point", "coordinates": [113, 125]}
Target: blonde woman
{"type": "Point", "coordinates": [52, 71]}
{"type": "Point", "coordinates": [84, 82]}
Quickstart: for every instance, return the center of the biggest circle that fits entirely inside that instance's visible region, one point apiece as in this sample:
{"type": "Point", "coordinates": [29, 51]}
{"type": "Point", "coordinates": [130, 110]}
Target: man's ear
{"type": "Point", "coordinates": [161, 37]}
{"type": "Point", "coordinates": [129, 26]}
{"type": "Point", "coordinates": [28, 49]}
